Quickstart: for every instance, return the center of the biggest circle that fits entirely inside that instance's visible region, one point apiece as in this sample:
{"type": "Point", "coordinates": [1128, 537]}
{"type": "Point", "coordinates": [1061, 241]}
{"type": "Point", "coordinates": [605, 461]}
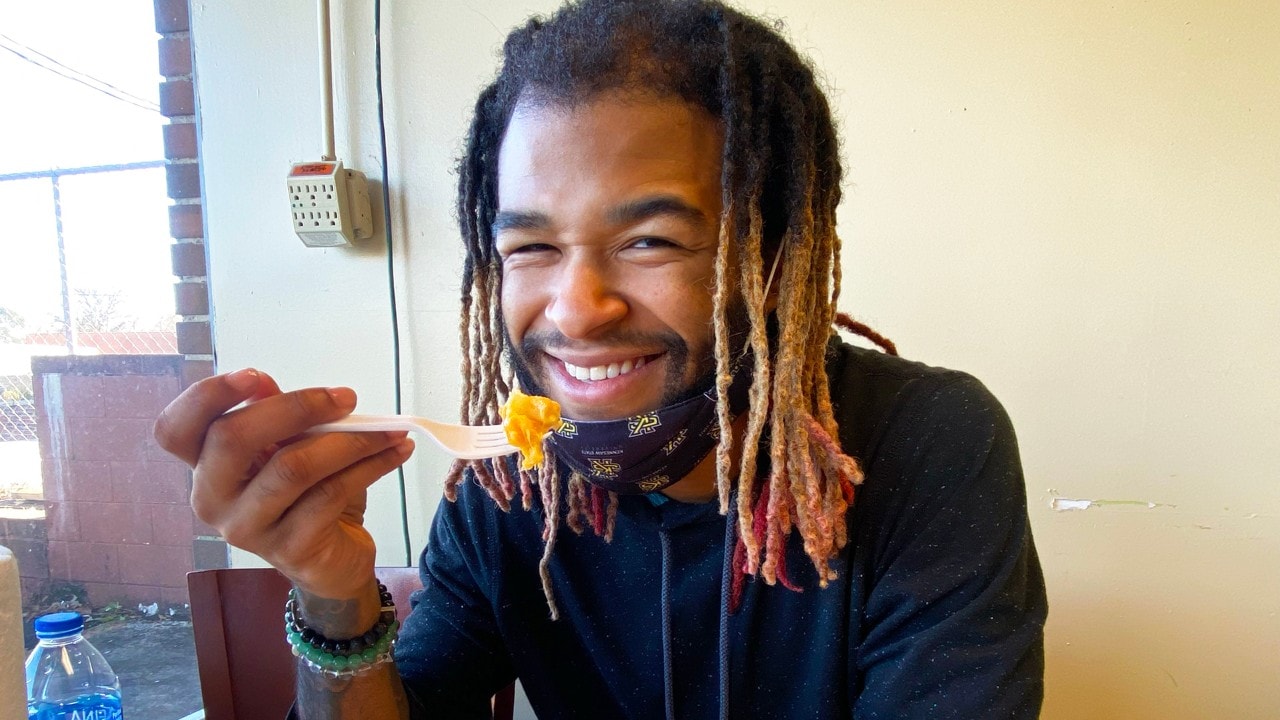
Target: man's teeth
{"type": "Point", "coordinates": [601, 372]}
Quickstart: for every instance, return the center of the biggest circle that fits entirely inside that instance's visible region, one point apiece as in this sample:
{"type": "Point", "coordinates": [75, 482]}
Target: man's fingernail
{"type": "Point", "coordinates": [343, 397]}
{"type": "Point", "coordinates": [243, 380]}
{"type": "Point", "coordinates": [404, 447]}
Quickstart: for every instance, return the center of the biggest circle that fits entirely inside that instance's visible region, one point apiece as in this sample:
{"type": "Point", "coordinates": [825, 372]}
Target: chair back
{"type": "Point", "coordinates": [246, 668]}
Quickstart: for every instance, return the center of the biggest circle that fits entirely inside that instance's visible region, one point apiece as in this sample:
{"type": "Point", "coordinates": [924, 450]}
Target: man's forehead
{"type": "Point", "coordinates": [626, 157]}
{"type": "Point", "coordinates": [676, 112]}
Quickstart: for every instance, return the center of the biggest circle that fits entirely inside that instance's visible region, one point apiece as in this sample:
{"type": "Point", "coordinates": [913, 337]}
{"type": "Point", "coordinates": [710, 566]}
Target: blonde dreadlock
{"type": "Point", "coordinates": [781, 185]}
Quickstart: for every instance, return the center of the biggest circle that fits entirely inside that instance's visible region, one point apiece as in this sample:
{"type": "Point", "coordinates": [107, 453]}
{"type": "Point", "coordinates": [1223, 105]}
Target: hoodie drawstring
{"type": "Point", "coordinates": [726, 583]}
{"type": "Point", "coordinates": [669, 698]}
{"type": "Point", "coordinates": [726, 590]}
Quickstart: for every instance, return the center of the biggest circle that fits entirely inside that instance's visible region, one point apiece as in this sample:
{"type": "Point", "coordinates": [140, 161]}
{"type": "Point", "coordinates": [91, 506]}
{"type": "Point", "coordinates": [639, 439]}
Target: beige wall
{"type": "Point", "coordinates": [1078, 202]}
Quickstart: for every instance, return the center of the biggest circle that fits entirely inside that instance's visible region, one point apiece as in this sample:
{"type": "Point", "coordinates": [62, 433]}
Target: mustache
{"type": "Point", "coordinates": [543, 341]}
{"type": "Point", "coordinates": [547, 340]}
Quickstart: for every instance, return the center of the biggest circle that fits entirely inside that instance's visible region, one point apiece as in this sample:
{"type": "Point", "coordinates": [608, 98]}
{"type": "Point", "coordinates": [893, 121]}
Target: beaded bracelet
{"type": "Point", "coordinates": [342, 658]}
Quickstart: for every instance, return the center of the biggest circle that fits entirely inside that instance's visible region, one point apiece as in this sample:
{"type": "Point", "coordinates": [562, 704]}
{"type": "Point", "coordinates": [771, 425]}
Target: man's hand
{"type": "Point", "coordinates": [296, 500]}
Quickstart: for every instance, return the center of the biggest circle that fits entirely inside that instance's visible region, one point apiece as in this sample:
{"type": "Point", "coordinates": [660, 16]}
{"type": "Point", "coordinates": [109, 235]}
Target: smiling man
{"type": "Point", "coordinates": [763, 521]}
{"type": "Point", "coordinates": [607, 233]}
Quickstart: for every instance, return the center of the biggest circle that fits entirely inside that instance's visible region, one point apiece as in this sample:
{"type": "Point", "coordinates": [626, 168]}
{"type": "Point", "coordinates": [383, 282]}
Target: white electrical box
{"type": "Point", "coordinates": [330, 204]}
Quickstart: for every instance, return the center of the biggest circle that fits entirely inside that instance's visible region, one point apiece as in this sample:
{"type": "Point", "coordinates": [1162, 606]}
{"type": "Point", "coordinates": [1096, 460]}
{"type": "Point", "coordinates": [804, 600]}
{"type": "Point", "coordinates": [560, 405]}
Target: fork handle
{"type": "Point", "coordinates": [368, 423]}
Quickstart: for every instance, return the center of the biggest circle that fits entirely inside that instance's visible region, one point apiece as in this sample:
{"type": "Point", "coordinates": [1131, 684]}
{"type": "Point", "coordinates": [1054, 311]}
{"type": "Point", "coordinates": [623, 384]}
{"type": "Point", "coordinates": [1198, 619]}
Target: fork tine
{"type": "Point", "coordinates": [486, 434]}
{"type": "Point", "coordinates": [491, 437]}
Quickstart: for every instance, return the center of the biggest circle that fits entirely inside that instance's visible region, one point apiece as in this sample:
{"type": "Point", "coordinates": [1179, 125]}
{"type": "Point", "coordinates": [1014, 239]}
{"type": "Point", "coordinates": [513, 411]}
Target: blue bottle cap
{"type": "Point", "coordinates": [56, 625]}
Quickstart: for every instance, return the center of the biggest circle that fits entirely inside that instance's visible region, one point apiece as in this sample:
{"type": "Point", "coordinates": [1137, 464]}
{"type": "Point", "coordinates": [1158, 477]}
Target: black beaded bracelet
{"type": "Point", "coordinates": [346, 656]}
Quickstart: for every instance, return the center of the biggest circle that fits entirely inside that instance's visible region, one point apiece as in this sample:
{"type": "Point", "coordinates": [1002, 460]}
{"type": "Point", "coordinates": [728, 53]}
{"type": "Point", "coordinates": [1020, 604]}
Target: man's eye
{"type": "Point", "coordinates": [646, 243]}
{"type": "Point", "coordinates": [523, 249]}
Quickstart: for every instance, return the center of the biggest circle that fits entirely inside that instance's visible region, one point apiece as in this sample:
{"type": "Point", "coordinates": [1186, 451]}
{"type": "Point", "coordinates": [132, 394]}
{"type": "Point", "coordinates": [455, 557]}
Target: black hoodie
{"type": "Point", "coordinates": [938, 610]}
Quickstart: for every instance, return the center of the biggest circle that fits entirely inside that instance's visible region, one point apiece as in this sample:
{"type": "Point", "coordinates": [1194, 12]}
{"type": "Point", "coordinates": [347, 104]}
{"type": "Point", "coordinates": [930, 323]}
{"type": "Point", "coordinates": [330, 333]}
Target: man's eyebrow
{"type": "Point", "coordinates": [519, 220]}
{"type": "Point", "coordinates": [628, 213]}
{"type": "Point", "coordinates": [635, 211]}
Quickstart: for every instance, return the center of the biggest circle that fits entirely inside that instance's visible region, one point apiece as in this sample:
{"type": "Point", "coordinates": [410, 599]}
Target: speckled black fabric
{"type": "Point", "coordinates": [938, 611]}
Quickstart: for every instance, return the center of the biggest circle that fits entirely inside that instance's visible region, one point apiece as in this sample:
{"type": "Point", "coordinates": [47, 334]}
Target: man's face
{"type": "Point", "coordinates": [607, 224]}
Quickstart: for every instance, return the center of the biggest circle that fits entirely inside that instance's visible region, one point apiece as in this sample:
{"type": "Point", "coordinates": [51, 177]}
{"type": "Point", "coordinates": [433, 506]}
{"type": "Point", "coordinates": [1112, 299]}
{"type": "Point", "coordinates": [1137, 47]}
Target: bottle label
{"type": "Point", "coordinates": [101, 707]}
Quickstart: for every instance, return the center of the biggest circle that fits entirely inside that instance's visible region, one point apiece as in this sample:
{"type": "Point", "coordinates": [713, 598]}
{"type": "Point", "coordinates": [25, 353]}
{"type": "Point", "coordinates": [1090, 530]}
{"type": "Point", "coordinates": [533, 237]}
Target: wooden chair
{"type": "Point", "coordinates": [246, 668]}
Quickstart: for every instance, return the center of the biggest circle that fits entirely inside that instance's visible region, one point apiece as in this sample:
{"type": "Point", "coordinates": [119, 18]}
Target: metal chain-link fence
{"type": "Point", "coordinates": [72, 285]}
{"type": "Point", "coordinates": [17, 408]}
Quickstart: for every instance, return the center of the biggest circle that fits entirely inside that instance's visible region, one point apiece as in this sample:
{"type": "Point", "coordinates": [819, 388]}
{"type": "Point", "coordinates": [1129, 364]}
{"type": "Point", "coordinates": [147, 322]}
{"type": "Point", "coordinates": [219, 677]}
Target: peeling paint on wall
{"type": "Point", "coordinates": [1064, 504]}
{"type": "Point", "coordinates": [59, 453]}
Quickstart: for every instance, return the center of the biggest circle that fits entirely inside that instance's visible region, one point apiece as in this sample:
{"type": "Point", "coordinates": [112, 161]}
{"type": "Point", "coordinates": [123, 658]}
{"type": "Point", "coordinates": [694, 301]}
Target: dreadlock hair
{"type": "Point", "coordinates": [780, 187]}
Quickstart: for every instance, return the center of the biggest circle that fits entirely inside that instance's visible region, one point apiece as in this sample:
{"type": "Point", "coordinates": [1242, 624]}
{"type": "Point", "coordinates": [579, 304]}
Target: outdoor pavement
{"type": "Point", "coordinates": [156, 663]}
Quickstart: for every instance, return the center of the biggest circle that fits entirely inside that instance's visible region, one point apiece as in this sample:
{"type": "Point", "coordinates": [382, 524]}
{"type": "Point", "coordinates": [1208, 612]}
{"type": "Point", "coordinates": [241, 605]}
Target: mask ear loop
{"type": "Point", "coordinates": [768, 285]}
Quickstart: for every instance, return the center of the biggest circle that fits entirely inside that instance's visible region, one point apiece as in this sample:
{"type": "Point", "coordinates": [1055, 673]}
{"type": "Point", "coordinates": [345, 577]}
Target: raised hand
{"type": "Point", "coordinates": [296, 500]}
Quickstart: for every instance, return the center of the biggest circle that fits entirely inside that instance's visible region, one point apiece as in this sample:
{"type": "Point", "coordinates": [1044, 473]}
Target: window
{"type": "Point", "coordinates": [99, 209]}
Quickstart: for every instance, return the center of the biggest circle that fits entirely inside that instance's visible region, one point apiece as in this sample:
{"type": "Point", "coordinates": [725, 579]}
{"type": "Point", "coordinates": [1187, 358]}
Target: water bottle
{"type": "Point", "coordinates": [67, 678]}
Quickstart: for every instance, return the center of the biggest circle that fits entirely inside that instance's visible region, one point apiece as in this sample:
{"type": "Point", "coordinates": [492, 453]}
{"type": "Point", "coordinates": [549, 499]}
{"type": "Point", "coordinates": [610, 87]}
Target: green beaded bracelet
{"type": "Point", "coordinates": [345, 665]}
{"type": "Point", "coordinates": [342, 658]}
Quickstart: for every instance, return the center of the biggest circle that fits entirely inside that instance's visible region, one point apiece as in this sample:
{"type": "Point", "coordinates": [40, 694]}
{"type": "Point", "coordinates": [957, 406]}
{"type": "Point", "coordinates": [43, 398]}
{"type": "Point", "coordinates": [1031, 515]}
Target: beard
{"type": "Point", "coordinates": [676, 388]}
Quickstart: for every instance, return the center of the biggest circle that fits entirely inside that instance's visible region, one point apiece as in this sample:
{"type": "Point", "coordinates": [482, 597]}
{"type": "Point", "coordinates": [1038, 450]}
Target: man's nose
{"type": "Point", "coordinates": [585, 300]}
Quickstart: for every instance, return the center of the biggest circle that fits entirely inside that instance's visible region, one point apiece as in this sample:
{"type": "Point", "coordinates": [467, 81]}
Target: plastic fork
{"type": "Point", "coordinates": [468, 442]}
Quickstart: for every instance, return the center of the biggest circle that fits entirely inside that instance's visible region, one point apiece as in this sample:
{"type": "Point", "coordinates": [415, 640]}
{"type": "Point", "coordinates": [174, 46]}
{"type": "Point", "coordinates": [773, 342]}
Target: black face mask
{"type": "Point", "coordinates": [647, 452]}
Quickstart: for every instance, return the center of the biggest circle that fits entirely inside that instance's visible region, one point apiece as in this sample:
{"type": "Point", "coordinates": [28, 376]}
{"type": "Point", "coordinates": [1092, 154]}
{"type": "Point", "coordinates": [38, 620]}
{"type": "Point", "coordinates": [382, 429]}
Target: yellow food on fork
{"type": "Point", "coordinates": [526, 419]}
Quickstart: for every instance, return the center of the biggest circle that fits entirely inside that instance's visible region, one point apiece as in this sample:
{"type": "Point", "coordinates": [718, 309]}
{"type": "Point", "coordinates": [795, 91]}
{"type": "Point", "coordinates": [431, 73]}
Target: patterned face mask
{"type": "Point", "coordinates": [647, 452]}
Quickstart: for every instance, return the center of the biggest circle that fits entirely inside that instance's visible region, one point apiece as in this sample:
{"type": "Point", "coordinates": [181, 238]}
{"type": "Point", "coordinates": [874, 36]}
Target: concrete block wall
{"type": "Point", "coordinates": [119, 520]}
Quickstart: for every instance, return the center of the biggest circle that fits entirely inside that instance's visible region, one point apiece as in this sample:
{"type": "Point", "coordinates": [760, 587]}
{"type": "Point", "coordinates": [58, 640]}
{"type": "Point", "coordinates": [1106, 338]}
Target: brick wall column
{"type": "Point", "coordinates": [186, 222]}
